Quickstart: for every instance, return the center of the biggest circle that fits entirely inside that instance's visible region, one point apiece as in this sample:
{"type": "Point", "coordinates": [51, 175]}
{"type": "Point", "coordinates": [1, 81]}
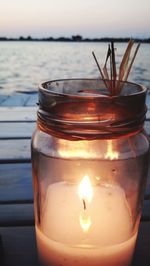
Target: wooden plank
{"type": "Point", "coordinates": [148, 114]}
{"type": "Point", "coordinates": [10, 114]}
{"type": "Point", "coordinates": [16, 130]}
{"type": "Point", "coordinates": [19, 98]}
{"type": "Point", "coordinates": [16, 215]}
{"type": "Point", "coordinates": [147, 127]}
{"type": "Point", "coordinates": [20, 113]}
{"type": "Point", "coordinates": [16, 183]}
{"type": "Point", "coordinates": [19, 246]}
{"type": "Point", "coordinates": [24, 130]}
{"type": "Point", "coordinates": [23, 214]}
{"type": "Point", "coordinates": [15, 150]}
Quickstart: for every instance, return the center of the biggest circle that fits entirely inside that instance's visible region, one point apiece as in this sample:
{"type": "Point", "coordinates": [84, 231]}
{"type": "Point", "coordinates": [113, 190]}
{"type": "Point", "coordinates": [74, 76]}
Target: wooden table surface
{"type": "Point", "coordinates": [17, 235]}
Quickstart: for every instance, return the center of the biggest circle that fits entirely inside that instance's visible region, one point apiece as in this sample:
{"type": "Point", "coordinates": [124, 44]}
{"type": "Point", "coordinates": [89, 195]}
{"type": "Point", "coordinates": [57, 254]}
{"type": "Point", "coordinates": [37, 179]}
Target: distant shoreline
{"type": "Point", "coordinates": [74, 38]}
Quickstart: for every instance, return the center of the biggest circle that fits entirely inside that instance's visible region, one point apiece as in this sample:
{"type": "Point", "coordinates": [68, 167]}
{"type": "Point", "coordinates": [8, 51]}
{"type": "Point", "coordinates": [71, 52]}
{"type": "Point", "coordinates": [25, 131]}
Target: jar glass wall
{"type": "Point", "coordinates": [90, 160]}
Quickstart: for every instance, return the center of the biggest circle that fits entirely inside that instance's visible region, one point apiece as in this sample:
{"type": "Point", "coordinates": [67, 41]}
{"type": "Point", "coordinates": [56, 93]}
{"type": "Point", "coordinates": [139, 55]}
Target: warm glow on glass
{"type": "Point", "coordinates": [75, 149]}
{"type": "Point", "coordinates": [85, 189]}
{"type": "Point", "coordinates": [110, 153]}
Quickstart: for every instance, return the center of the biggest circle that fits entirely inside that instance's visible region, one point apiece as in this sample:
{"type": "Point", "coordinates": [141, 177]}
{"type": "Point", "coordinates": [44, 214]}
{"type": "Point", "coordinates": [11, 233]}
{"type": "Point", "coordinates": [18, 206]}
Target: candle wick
{"type": "Point", "coordinates": [84, 204]}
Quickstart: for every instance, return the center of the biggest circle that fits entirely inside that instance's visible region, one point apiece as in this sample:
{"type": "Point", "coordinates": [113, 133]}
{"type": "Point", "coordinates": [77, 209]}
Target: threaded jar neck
{"type": "Point", "coordinates": [82, 109]}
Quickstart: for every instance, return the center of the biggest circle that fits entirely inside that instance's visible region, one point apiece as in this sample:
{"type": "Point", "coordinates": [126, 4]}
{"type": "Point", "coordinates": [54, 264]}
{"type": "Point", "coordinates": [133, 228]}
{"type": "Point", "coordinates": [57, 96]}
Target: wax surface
{"type": "Point", "coordinates": [108, 210]}
{"type": "Point", "coordinates": [108, 242]}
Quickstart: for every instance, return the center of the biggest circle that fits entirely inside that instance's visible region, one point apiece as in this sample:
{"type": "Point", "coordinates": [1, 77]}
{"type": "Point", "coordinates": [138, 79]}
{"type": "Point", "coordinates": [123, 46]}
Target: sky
{"type": "Point", "coordinates": [89, 18]}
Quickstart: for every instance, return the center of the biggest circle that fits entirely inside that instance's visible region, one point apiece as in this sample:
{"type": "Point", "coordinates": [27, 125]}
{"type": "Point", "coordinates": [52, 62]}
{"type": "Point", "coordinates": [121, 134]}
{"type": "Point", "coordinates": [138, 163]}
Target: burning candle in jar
{"type": "Point", "coordinates": [89, 153]}
{"type": "Point", "coordinates": [86, 225]}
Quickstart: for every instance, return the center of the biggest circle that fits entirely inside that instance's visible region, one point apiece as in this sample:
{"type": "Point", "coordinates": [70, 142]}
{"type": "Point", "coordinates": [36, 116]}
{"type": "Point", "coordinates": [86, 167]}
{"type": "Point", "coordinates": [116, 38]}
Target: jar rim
{"type": "Point", "coordinates": [83, 108]}
{"type": "Point", "coordinates": [43, 87]}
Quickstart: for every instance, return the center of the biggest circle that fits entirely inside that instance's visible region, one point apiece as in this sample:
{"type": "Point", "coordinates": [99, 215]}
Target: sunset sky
{"type": "Point", "coordinates": [90, 18]}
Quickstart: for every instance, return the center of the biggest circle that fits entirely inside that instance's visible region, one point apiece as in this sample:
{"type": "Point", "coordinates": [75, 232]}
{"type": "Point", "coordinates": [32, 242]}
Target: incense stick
{"type": "Point", "coordinates": [113, 82]}
{"type": "Point", "coordinates": [101, 72]}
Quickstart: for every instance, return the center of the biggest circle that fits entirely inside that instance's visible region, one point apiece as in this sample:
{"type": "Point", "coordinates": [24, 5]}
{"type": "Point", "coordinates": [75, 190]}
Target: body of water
{"type": "Point", "coordinates": [23, 65]}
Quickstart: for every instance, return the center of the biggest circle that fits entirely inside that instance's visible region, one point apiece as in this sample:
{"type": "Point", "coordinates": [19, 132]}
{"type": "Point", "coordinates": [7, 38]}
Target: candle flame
{"type": "Point", "coordinates": [85, 189]}
{"type": "Point", "coordinates": [85, 222]}
{"type": "Point", "coordinates": [110, 153]}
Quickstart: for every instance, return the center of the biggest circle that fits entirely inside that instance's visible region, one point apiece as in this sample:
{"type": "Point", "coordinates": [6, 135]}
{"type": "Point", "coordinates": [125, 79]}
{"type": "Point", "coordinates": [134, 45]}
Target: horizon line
{"type": "Point", "coordinates": [74, 38]}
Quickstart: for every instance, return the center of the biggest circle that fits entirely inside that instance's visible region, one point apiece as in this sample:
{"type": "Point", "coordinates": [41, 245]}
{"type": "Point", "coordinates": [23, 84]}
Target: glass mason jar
{"type": "Point", "coordinates": [90, 161]}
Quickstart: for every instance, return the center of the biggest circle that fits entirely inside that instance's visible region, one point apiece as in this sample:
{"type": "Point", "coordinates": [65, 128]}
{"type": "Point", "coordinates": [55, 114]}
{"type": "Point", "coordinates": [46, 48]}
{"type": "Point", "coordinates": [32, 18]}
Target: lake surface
{"type": "Point", "coordinates": [23, 65]}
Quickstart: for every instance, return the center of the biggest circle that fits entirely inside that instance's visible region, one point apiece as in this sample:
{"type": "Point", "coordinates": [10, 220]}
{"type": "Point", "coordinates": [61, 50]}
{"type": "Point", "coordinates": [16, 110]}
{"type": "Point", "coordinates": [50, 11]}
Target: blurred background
{"type": "Point", "coordinates": [46, 40]}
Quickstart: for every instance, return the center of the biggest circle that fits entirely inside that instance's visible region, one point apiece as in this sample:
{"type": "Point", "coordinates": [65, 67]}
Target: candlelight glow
{"type": "Point", "coordinates": [86, 194]}
{"type": "Point", "coordinates": [77, 149]}
{"type": "Point", "coordinates": [85, 222]}
{"type": "Point", "coordinates": [110, 153]}
{"type": "Point", "coordinates": [85, 189]}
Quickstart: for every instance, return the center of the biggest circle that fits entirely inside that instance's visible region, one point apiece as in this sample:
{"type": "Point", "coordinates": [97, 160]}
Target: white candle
{"type": "Point", "coordinates": [85, 227]}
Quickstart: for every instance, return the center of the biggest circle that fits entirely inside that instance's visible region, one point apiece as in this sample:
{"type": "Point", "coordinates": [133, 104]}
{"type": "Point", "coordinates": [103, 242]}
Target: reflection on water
{"type": "Point", "coordinates": [25, 64]}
